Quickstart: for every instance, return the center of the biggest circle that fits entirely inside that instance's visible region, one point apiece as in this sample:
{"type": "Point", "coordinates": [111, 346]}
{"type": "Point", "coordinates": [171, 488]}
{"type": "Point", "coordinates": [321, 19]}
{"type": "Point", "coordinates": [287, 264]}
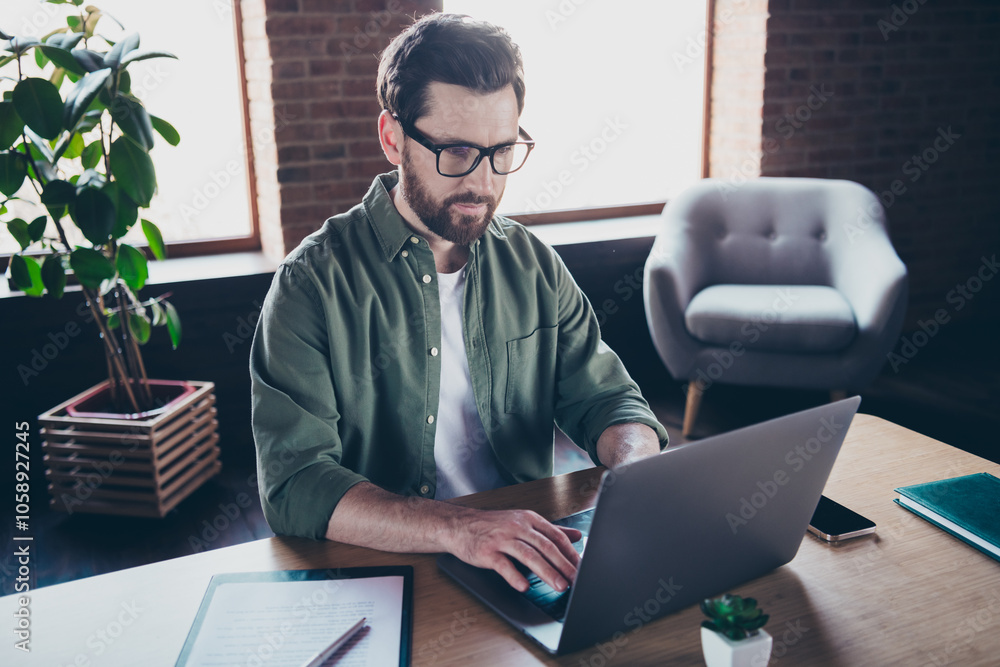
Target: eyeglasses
{"type": "Point", "coordinates": [456, 160]}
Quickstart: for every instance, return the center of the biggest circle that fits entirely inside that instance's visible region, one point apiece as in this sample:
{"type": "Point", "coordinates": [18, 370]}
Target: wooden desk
{"type": "Point", "coordinates": [913, 595]}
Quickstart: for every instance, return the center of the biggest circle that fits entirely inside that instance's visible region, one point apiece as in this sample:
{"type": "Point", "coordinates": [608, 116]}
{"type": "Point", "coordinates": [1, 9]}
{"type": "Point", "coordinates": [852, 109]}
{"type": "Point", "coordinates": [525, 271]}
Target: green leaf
{"type": "Point", "coordinates": [113, 58]}
{"type": "Point", "coordinates": [133, 120]}
{"type": "Point", "coordinates": [173, 324]}
{"type": "Point", "coordinates": [40, 59]}
{"type": "Point", "coordinates": [83, 93]}
{"type": "Point", "coordinates": [128, 212]}
{"type": "Point", "coordinates": [27, 275]}
{"type": "Point", "coordinates": [133, 169]}
{"type": "Point", "coordinates": [94, 213]}
{"type": "Point", "coordinates": [75, 148]}
{"type": "Point", "coordinates": [91, 177]}
{"type": "Point", "coordinates": [63, 39]}
{"type": "Point", "coordinates": [13, 169]}
{"type": "Point", "coordinates": [39, 147]}
{"type": "Point", "coordinates": [90, 61]}
{"type": "Point", "coordinates": [10, 125]}
{"type": "Point", "coordinates": [91, 119]}
{"type": "Point", "coordinates": [20, 45]}
{"type": "Point", "coordinates": [62, 57]}
{"type": "Point", "coordinates": [132, 267]}
{"type": "Point", "coordinates": [91, 267]}
{"type": "Point", "coordinates": [54, 276]}
{"type": "Point", "coordinates": [56, 196]}
{"type": "Point", "coordinates": [18, 228]}
{"type": "Point", "coordinates": [91, 155]}
{"type": "Point", "coordinates": [159, 315]}
{"type": "Point", "coordinates": [155, 239]}
{"type": "Point", "coordinates": [166, 130]}
{"type": "Point", "coordinates": [114, 321]}
{"type": "Point", "coordinates": [145, 55]}
{"type": "Point", "coordinates": [124, 82]}
{"type": "Point", "coordinates": [36, 230]}
{"type": "Point", "coordinates": [140, 327]}
{"type": "Point", "coordinates": [38, 102]}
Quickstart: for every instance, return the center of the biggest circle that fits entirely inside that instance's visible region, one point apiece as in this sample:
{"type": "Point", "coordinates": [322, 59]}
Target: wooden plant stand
{"type": "Point", "coordinates": [135, 467]}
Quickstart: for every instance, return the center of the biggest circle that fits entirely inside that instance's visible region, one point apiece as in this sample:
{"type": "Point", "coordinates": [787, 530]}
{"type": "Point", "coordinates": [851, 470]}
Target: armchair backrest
{"type": "Point", "coordinates": [793, 231]}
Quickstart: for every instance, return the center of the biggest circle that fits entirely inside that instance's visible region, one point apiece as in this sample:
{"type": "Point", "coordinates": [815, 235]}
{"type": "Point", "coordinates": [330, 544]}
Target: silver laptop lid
{"type": "Point", "coordinates": [701, 519]}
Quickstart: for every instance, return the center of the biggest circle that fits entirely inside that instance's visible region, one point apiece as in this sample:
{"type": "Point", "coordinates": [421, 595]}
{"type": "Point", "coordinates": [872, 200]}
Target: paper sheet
{"type": "Point", "coordinates": [286, 623]}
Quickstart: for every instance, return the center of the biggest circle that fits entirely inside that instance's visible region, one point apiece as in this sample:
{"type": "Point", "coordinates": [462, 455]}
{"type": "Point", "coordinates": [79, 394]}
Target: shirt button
{"type": "Point", "coordinates": [405, 253]}
{"type": "Point", "coordinates": [430, 419]}
{"type": "Point", "coordinates": [426, 279]}
{"type": "Point", "coordinates": [425, 489]}
{"type": "Point", "coordinates": [434, 352]}
{"type": "Point", "coordinates": [414, 239]}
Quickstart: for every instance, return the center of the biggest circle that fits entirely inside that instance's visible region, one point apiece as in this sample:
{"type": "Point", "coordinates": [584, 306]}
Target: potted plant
{"type": "Point", "coordinates": [75, 147]}
{"type": "Point", "coordinates": [732, 637]}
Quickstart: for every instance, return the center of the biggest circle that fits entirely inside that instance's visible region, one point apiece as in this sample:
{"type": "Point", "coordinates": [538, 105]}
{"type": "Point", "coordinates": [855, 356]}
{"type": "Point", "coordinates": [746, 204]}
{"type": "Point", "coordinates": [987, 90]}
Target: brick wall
{"type": "Point", "coordinates": [854, 89]}
{"type": "Point", "coordinates": [737, 88]}
{"type": "Point", "coordinates": [903, 97]}
{"type": "Point", "coordinates": [311, 67]}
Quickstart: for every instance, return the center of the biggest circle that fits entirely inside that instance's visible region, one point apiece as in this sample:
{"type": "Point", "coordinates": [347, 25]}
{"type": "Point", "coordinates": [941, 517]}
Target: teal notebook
{"type": "Point", "coordinates": [968, 507]}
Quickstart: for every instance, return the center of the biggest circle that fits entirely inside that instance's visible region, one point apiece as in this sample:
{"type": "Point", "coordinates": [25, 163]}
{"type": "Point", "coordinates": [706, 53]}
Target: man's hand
{"type": "Point", "coordinates": [370, 516]}
{"type": "Point", "coordinates": [492, 539]}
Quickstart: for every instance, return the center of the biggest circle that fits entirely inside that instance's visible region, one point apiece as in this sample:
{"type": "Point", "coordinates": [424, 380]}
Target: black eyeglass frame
{"type": "Point", "coordinates": [484, 151]}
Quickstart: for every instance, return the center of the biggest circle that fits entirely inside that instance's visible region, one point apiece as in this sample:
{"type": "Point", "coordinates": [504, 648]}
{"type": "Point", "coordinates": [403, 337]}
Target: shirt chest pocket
{"type": "Point", "coordinates": [531, 372]}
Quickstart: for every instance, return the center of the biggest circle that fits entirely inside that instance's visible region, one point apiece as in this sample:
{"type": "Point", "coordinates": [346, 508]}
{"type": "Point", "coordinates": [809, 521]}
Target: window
{"type": "Point", "coordinates": [203, 186]}
{"type": "Point", "coordinates": [615, 97]}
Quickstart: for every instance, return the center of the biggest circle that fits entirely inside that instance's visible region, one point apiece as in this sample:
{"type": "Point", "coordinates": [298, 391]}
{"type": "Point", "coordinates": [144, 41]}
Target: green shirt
{"type": "Point", "coordinates": [346, 372]}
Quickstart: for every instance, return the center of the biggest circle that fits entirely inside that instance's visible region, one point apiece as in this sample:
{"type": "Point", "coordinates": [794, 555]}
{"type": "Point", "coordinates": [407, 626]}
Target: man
{"type": "Point", "coordinates": [418, 347]}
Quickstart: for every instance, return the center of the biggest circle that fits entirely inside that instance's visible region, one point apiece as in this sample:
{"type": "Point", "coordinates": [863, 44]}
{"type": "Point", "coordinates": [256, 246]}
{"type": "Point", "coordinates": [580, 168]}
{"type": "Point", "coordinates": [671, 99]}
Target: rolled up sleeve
{"type": "Point", "coordinates": [294, 410]}
{"type": "Point", "coordinates": [594, 391]}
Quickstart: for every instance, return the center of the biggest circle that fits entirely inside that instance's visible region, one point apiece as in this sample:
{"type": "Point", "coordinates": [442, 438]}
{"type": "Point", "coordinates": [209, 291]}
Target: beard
{"type": "Point", "coordinates": [438, 217]}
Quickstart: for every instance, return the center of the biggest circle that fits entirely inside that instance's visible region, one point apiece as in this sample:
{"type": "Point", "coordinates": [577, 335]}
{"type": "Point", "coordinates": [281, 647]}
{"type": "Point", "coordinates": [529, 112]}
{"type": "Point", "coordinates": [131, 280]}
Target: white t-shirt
{"type": "Point", "coordinates": [462, 453]}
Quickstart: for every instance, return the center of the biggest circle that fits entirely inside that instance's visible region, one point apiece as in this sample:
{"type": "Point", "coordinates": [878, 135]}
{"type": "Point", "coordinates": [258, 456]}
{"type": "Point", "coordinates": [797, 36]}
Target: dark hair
{"type": "Point", "coordinates": [448, 48]}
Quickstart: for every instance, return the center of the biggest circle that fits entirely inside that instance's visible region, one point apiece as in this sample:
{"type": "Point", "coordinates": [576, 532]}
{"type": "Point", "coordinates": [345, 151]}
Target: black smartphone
{"type": "Point", "coordinates": [833, 522]}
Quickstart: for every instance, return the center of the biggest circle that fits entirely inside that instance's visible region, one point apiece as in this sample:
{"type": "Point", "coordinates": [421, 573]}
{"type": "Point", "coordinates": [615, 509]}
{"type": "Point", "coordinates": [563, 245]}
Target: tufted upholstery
{"type": "Point", "coordinates": [726, 251]}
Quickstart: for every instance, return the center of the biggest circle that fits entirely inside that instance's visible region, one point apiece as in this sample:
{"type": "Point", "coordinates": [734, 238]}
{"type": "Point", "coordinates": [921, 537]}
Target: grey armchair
{"type": "Point", "coordinates": [788, 282]}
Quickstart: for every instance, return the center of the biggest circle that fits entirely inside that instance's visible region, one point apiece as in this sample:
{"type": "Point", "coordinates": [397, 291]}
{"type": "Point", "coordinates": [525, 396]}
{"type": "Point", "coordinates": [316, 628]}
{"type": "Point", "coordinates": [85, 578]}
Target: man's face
{"type": "Point", "coordinates": [458, 209]}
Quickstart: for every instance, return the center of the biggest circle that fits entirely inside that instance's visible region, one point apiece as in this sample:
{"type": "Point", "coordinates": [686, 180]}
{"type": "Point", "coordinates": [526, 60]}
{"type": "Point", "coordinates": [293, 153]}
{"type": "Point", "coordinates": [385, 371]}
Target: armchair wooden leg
{"type": "Point", "coordinates": [695, 391]}
{"type": "Point", "coordinates": [837, 395]}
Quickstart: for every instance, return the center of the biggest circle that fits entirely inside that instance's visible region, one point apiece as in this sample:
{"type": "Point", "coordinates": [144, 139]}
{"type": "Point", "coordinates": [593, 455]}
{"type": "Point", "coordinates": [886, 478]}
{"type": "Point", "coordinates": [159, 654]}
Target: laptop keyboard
{"type": "Point", "coordinates": [546, 598]}
{"type": "Point", "coordinates": [543, 596]}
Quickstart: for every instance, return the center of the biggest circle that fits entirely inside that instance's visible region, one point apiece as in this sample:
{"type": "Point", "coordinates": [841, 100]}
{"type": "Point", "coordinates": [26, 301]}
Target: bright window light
{"type": "Point", "coordinates": [614, 99]}
{"type": "Point", "coordinates": [203, 191]}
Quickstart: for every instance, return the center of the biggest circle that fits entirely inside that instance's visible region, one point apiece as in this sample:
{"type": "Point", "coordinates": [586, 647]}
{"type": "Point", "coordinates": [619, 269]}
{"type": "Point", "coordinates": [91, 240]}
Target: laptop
{"type": "Point", "coordinates": [671, 530]}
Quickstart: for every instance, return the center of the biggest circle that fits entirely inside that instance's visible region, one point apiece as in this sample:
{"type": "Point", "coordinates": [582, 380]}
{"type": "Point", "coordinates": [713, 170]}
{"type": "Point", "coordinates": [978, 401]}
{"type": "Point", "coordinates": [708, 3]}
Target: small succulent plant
{"type": "Point", "coordinates": [733, 616]}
